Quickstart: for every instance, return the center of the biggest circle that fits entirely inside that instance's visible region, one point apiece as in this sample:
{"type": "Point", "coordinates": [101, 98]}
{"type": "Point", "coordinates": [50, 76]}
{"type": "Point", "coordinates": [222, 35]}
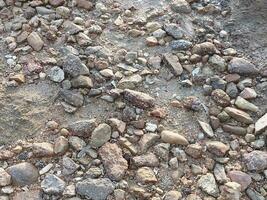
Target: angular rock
{"type": "Point", "coordinates": [218, 63]}
{"type": "Point", "coordinates": [56, 74]}
{"type": "Point", "coordinates": [240, 177]}
{"type": "Point", "coordinates": [100, 135]}
{"type": "Point", "coordinates": [194, 150]}
{"type": "Point", "coordinates": [230, 190]}
{"type": "Point", "coordinates": [261, 124]}
{"type": "Point", "coordinates": [206, 128]}
{"type": "Point", "coordinates": [5, 154]}
{"type": "Point", "coordinates": [204, 48]}
{"type": "Point", "coordinates": [174, 30]}
{"type": "Point", "coordinates": [256, 160]}
{"type": "Point", "coordinates": [5, 178]}
{"type": "Point", "coordinates": [130, 82]}
{"type": "Point", "coordinates": [220, 174]}
{"type": "Point", "coordinates": [173, 63]}
{"type": "Point", "coordinates": [114, 164]}
{"type": "Point", "coordinates": [147, 141]}
{"type": "Point", "coordinates": [242, 66]}
{"type": "Point", "coordinates": [35, 41]}
{"type": "Point", "coordinates": [83, 127]}
{"type": "Point", "coordinates": [69, 166]}
{"type": "Point", "coordinates": [139, 99]}
{"type": "Point", "coordinates": [208, 184]}
{"type": "Point", "coordinates": [180, 6]}
{"type": "Point", "coordinates": [245, 105]}
{"type": "Point", "coordinates": [220, 97]}
{"type": "Point", "coordinates": [71, 97]}
{"type": "Point", "coordinates": [82, 82]}
{"type": "Point", "coordinates": [43, 149]}
{"type": "Point", "coordinates": [217, 148]}
{"type": "Point", "coordinates": [73, 65]}
{"type": "Point", "coordinates": [145, 175]}
{"type": "Point", "coordinates": [173, 138]}
{"type": "Point", "coordinates": [173, 195]}
{"type": "Point", "coordinates": [147, 160]}
{"type": "Point", "coordinates": [254, 195]}
{"type": "Point", "coordinates": [95, 189]}
{"type": "Point", "coordinates": [117, 124]}
{"type": "Point", "coordinates": [77, 143]}
{"type": "Point", "coordinates": [53, 184]}
{"type": "Point", "coordinates": [23, 174]}
{"type": "Point", "coordinates": [239, 115]}
{"type": "Point", "coordinates": [248, 93]}
{"type": "Point", "coordinates": [61, 145]}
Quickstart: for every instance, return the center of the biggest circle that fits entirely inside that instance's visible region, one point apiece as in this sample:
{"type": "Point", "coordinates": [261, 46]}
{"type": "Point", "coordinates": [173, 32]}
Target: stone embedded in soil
{"type": "Point", "coordinates": [76, 143]}
{"type": "Point", "coordinates": [53, 184]}
{"type": "Point", "coordinates": [23, 174]}
{"type": "Point", "coordinates": [180, 6]}
{"type": "Point", "coordinates": [43, 149]}
{"type": "Point", "coordinates": [180, 44]}
{"type": "Point", "coordinates": [130, 82]}
{"type": "Point", "coordinates": [5, 178]}
{"type": "Point", "coordinates": [114, 164]}
{"type": "Point", "coordinates": [173, 63]}
{"type": "Point", "coordinates": [6, 154]}
{"type": "Point", "coordinates": [174, 30]}
{"type": "Point", "coordinates": [207, 183]}
{"type": "Point", "coordinates": [206, 128]}
{"type": "Point", "coordinates": [240, 177]}
{"type": "Point", "coordinates": [117, 124]}
{"type": "Point", "coordinates": [56, 2]}
{"type": "Point", "coordinates": [145, 175]}
{"type": "Point", "coordinates": [147, 160]}
{"type": "Point", "coordinates": [237, 130]}
{"type": "Point", "coordinates": [82, 127]}
{"type": "Point", "coordinates": [172, 195]}
{"type": "Point", "coordinates": [35, 41]}
{"type": "Point", "coordinates": [261, 124]}
{"type": "Point", "coordinates": [217, 148]}
{"type": "Point", "coordinates": [95, 189]}
{"type": "Point", "coordinates": [218, 63]}
{"type": "Point", "coordinates": [242, 66]}
{"type": "Point", "coordinates": [173, 138]}
{"type": "Point", "coordinates": [148, 140]}
{"type": "Point", "coordinates": [256, 160]}
{"type": "Point", "coordinates": [72, 97]}
{"type": "Point", "coordinates": [239, 115]}
{"type": "Point", "coordinates": [69, 166]}
{"type": "Point", "coordinates": [82, 82]}
{"type": "Point", "coordinates": [220, 97]}
{"type": "Point", "coordinates": [84, 4]}
{"type": "Point", "coordinates": [139, 99]}
{"type": "Point", "coordinates": [204, 48]}
{"type": "Point", "coordinates": [100, 135]}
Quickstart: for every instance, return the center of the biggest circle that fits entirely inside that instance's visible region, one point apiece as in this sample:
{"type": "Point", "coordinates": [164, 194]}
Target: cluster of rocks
{"type": "Point", "coordinates": [135, 154]}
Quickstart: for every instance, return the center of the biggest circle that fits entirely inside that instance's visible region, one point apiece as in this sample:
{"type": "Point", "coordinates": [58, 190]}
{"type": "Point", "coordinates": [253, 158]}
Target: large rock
{"type": "Point", "coordinates": [95, 189]}
{"type": "Point", "coordinates": [23, 174]}
{"type": "Point", "coordinates": [35, 41]}
{"type": "Point", "coordinates": [100, 135]}
{"type": "Point", "coordinates": [53, 184]}
{"type": "Point", "coordinates": [173, 63]}
{"type": "Point", "coordinates": [114, 164]}
{"type": "Point", "coordinates": [173, 138]}
{"type": "Point", "coordinates": [256, 160]}
{"type": "Point", "coordinates": [208, 184]}
{"type": "Point", "coordinates": [261, 124]}
{"type": "Point", "coordinates": [239, 115]}
{"type": "Point", "coordinates": [242, 67]}
{"type": "Point", "coordinates": [139, 99]}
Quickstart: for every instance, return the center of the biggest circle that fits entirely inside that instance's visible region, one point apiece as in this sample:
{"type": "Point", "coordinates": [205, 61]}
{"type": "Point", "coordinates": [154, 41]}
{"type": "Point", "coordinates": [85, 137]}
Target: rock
{"type": "Point", "coordinates": [194, 150]}
{"type": "Point", "coordinates": [71, 97]}
{"type": "Point", "coordinates": [83, 127]}
{"type": "Point", "coordinates": [100, 135]}
{"type": "Point", "coordinates": [174, 30]}
{"type": "Point", "coordinates": [23, 174]}
{"type": "Point", "coordinates": [220, 174]}
{"type": "Point", "coordinates": [85, 4]}
{"type": "Point", "coordinates": [56, 2]}
{"type": "Point", "coordinates": [139, 99]}
{"type": "Point", "coordinates": [151, 41]}
{"type": "Point", "coordinates": [61, 145]}
{"type": "Point", "coordinates": [69, 166]}
{"type": "Point", "coordinates": [193, 197]}
{"type": "Point", "coordinates": [220, 97]}
{"type": "Point", "coordinates": [230, 190]}
{"type": "Point", "coordinates": [76, 143]}
{"type": "Point", "coordinates": [95, 189]}
{"type": "Point", "coordinates": [173, 63]}
{"type": "Point", "coordinates": [245, 105]}
{"type": "Point", "coordinates": [173, 195]}
{"type": "Point", "coordinates": [35, 41]}
{"type": "Point", "coordinates": [218, 63]}
{"type": "Point", "coordinates": [147, 141]}
{"type": "Point", "coordinates": [217, 148]}
{"type": "Point", "coordinates": [28, 195]}
{"type": "Point", "coordinates": [147, 160]}
{"type": "Point", "coordinates": [73, 65]}
{"type": "Point", "coordinates": [248, 93]}
{"type": "Point", "coordinates": [240, 177]}
{"type": "Point", "coordinates": [53, 184]}
{"type": "Point", "coordinates": [206, 128]}
{"type": "Point", "coordinates": [180, 44]}
{"type": "Point", "coordinates": [114, 164]}
{"type": "Point", "coordinates": [162, 151]}
{"type": "Point", "coordinates": [173, 138]}
{"type": "Point", "coordinates": [117, 124]}
{"type": "Point", "coordinates": [180, 6]}
{"type": "Point", "coordinates": [130, 82]}
{"type": "Point", "coordinates": [256, 160]}
{"type": "Point", "coordinates": [19, 78]}
{"type": "Point", "coordinates": [82, 82]}
{"type": "Point", "coordinates": [71, 28]}
{"type": "Point", "coordinates": [237, 130]}
{"type": "Point", "coordinates": [204, 49]}
{"type": "Point", "coordinates": [208, 184]}
{"type": "Point", "coordinates": [5, 178]}
{"type": "Point", "coordinates": [107, 73]}
{"type": "Point", "coordinates": [242, 66]}
{"type": "Point", "coordinates": [56, 74]}
{"type": "Point", "coordinates": [232, 90]}
{"type": "Point", "coordinates": [239, 115]}
{"type": "Point", "coordinates": [254, 195]}
{"type": "Point", "coordinates": [145, 175]}
{"type": "Point", "coordinates": [261, 124]}
{"type": "Point", "coordinates": [5, 154]}
{"type": "Point", "coordinates": [43, 149]}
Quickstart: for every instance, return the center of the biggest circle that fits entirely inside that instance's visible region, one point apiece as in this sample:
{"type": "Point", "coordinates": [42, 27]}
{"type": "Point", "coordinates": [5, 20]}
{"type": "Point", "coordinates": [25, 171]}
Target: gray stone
{"type": "Point", "coordinates": [100, 135]}
{"type": "Point", "coordinates": [218, 63]}
{"type": "Point", "coordinates": [53, 184]}
{"type": "Point", "coordinates": [95, 189]}
{"type": "Point", "coordinates": [139, 99]}
{"type": "Point", "coordinates": [76, 143]}
{"type": "Point", "coordinates": [72, 97]}
{"type": "Point", "coordinates": [206, 128]}
{"type": "Point", "coordinates": [83, 127]}
{"type": "Point", "coordinates": [82, 82]}
{"type": "Point", "coordinates": [180, 44]}
{"type": "Point", "coordinates": [148, 160]}
{"type": "Point", "coordinates": [173, 63]}
{"type": "Point", "coordinates": [56, 74]}
{"type": "Point", "coordinates": [246, 105]}
{"type": "Point", "coordinates": [254, 195]}
{"type": "Point", "coordinates": [242, 67]}
{"type": "Point", "coordinates": [256, 160]}
{"type": "Point", "coordinates": [69, 166]}
{"type": "Point", "coordinates": [208, 184]}
{"type": "Point", "coordinates": [23, 174]}
{"type": "Point", "coordinates": [174, 30]}
{"type": "Point", "coordinates": [232, 90]}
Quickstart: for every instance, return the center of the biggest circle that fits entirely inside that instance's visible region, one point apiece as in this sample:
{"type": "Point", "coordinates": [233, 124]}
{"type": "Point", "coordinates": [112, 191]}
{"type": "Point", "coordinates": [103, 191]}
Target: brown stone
{"type": "Point", "coordinates": [217, 148]}
{"type": "Point", "coordinates": [240, 177]}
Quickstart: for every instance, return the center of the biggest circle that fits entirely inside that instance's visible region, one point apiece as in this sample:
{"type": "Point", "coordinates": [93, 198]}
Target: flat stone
{"type": "Point", "coordinates": [208, 184]}
{"type": "Point", "coordinates": [43, 149]}
{"type": "Point", "coordinates": [147, 141]}
{"type": "Point", "coordinates": [117, 124]}
{"type": "Point", "coordinates": [23, 174]}
{"type": "Point", "coordinates": [100, 135]}
{"type": "Point", "coordinates": [261, 124]}
{"type": "Point", "coordinates": [237, 130]}
{"type": "Point", "coordinates": [5, 178]}
{"type": "Point", "coordinates": [206, 128]}
{"type": "Point", "coordinates": [35, 41]}
{"type": "Point", "coordinates": [53, 184]}
{"type": "Point", "coordinates": [83, 127]}
{"type": "Point", "coordinates": [72, 97]}
{"type": "Point", "coordinates": [239, 115]}
{"type": "Point", "coordinates": [114, 163]}
{"type": "Point", "coordinates": [217, 148]}
{"type": "Point", "coordinates": [256, 160]}
{"type": "Point", "coordinates": [240, 177]}
{"type": "Point", "coordinates": [173, 63]}
{"type": "Point", "coordinates": [245, 105]}
{"type": "Point", "coordinates": [173, 138]}
{"type": "Point", "coordinates": [146, 160]}
{"type": "Point", "coordinates": [145, 175]}
{"type": "Point", "coordinates": [95, 189]}
{"type": "Point", "coordinates": [219, 173]}
{"type": "Point", "coordinates": [139, 99]}
{"type": "Point", "coordinates": [242, 66]}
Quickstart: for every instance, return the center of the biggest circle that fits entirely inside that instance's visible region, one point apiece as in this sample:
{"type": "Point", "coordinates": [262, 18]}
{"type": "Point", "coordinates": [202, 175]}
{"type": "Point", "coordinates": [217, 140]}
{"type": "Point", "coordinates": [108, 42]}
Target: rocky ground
{"type": "Point", "coordinates": [133, 99]}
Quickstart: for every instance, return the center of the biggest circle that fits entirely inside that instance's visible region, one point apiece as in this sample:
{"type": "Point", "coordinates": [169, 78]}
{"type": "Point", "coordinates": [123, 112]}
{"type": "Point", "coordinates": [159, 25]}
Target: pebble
{"type": "Point", "coordinates": [5, 178]}
{"type": "Point", "coordinates": [240, 177]}
{"type": "Point", "coordinates": [145, 175]}
{"type": "Point", "coordinates": [256, 160]}
{"type": "Point", "coordinates": [261, 124]}
{"type": "Point", "coordinates": [239, 115]}
{"type": "Point", "coordinates": [180, 44]}
{"type": "Point", "coordinates": [242, 67]}
{"type": "Point", "coordinates": [217, 148]}
{"type": "Point", "coordinates": [139, 99]}
{"type": "Point", "coordinates": [53, 184]}
{"type": "Point", "coordinates": [43, 149]}
{"type": "Point", "coordinates": [204, 48]}
{"type": "Point", "coordinates": [207, 183]}
{"type": "Point", "coordinates": [173, 63]}
{"type": "Point", "coordinates": [35, 41]}
{"type": "Point", "coordinates": [220, 97]}
{"type": "Point", "coordinates": [173, 138]}
{"type": "Point", "coordinates": [82, 82]}
{"type": "Point", "coordinates": [245, 105]}
{"type": "Point", "coordinates": [68, 166]}
{"type": "Point", "coordinates": [148, 160]}
{"type": "Point", "coordinates": [72, 97]}
{"type": "Point", "coordinates": [206, 128]}
{"type": "Point", "coordinates": [100, 135]}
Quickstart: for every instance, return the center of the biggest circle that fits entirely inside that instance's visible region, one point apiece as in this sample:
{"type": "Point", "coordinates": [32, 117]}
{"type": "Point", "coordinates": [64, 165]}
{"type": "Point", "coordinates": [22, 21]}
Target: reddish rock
{"type": "Point", "coordinates": [256, 160]}
{"type": "Point", "coordinates": [240, 177]}
{"type": "Point", "coordinates": [85, 4]}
